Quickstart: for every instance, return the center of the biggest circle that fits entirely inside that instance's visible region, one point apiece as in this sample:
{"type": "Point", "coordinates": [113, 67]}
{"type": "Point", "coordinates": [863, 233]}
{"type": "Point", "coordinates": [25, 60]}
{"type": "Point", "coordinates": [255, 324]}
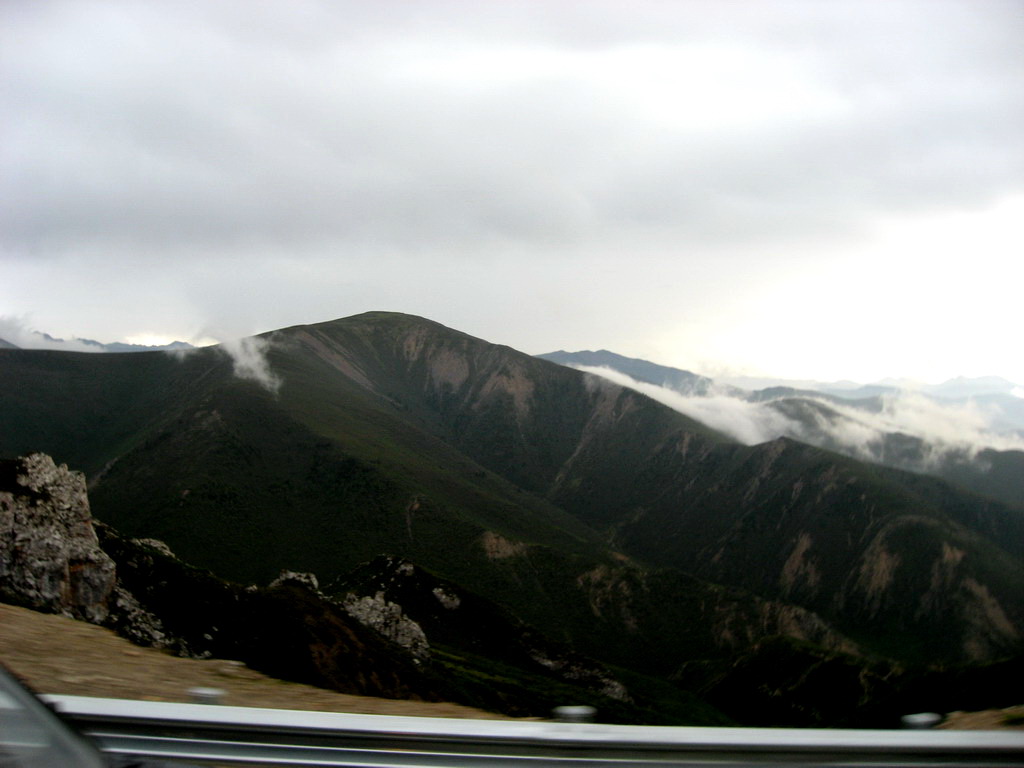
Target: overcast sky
{"type": "Point", "coordinates": [803, 189]}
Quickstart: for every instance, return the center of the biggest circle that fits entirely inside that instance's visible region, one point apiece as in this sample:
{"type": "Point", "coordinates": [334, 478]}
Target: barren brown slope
{"type": "Point", "coordinates": [54, 654]}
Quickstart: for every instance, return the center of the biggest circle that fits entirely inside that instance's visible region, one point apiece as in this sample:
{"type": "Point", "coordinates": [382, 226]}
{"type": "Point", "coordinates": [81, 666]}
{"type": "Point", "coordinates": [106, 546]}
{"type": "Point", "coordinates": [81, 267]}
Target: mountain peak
{"type": "Point", "coordinates": [378, 320]}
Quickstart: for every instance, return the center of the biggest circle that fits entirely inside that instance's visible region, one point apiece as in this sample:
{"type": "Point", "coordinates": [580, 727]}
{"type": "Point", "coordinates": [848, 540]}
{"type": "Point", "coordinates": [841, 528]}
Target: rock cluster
{"type": "Point", "coordinates": [372, 611]}
{"type": "Point", "coordinates": [389, 620]}
{"type": "Point", "coordinates": [307, 580]}
{"type": "Point", "coordinates": [416, 609]}
{"type": "Point", "coordinates": [55, 558]}
{"type": "Point", "coordinates": [50, 558]}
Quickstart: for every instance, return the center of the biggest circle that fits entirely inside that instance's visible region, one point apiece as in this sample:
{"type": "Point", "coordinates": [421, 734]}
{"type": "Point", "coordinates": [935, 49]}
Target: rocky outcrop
{"type": "Point", "coordinates": [50, 559]}
{"type": "Point", "coordinates": [307, 580]}
{"type": "Point", "coordinates": [287, 629]}
{"type": "Point", "coordinates": [576, 668]}
{"type": "Point", "coordinates": [387, 618]}
{"type": "Point", "coordinates": [55, 558]}
{"type": "Point", "coordinates": [406, 603]}
{"type": "Point", "coordinates": [372, 611]}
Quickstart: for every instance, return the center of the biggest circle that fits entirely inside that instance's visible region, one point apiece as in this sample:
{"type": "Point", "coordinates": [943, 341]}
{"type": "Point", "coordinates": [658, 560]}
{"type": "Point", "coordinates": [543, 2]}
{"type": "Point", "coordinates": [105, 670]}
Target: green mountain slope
{"type": "Point", "coordinates": [588, 510]}
{"type": "Point", "coordinates": [841, 421]}
{"type": "Point", "coordinates": [899, 561]}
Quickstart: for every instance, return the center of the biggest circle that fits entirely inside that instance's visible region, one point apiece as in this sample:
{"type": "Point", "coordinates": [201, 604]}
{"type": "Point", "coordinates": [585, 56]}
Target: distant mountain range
{"type": "Point", "coordinates": [601, 518]}
{"type": "Point", "coordinates": [966, 431]}
{"type": "Point", "coordinates": [689, 383]}
{"type": "Point", "coordinates": [37, 340]}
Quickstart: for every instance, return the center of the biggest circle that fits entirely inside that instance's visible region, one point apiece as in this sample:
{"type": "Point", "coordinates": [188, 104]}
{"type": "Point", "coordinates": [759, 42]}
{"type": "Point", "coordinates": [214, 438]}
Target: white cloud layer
{"type": "Point", "coordinates": [248, 355]}
{"type": "Point", "coordinates": [669, 179]}
{"type": "Point", "coordinates": [946, 428]}
{"type": "Point", "coordinates": [17, 331]}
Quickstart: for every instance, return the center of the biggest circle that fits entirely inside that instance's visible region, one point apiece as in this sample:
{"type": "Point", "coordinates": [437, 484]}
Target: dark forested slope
{"type": "Point", "coordinates": [579, 505]}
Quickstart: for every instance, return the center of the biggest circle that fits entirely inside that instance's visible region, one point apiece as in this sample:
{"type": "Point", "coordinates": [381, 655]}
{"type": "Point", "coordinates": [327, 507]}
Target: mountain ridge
{"type": "Point", "coordinates": [591, 511]}
{"type": "Point", "coordinates": [882, 426]}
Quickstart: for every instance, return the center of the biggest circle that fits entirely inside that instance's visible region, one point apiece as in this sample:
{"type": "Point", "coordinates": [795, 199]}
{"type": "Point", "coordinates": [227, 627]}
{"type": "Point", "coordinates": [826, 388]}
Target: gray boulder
{"type": "Point", "coordinates": [50, 559]}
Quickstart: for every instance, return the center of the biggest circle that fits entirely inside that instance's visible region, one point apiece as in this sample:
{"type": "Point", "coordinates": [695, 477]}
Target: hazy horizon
{"type": "Point", "coordinates": [25, 338]}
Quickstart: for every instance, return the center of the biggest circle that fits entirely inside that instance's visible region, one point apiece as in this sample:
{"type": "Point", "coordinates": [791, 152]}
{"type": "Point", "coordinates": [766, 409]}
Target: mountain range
{"type": "Point", "coordinates": [969, 432]}
{"type": "Point", "coordinates": [596, 516]}
{"type": "Point", "coordinates": [38, 340]}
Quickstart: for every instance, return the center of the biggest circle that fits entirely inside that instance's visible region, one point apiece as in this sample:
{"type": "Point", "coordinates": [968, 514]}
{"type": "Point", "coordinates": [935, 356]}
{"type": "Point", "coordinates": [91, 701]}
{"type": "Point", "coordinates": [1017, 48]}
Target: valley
{"type": "Point", "coordinates": [967, 432]}
{"type": "Point", "coordinates": [578, 511]}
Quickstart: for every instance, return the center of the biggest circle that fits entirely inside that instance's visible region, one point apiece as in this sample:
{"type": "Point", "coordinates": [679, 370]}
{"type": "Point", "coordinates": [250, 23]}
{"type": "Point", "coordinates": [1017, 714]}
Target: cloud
{"type": "Point", "coordinates": [16, 331]}
{"type": "Point", "coordinates": [492, 165]}
{"type": "Point", "coordinates": [905, 429]}
{"type": "Point", "coordinates": [249, 357]}
{"type": "Point", "coordinates": [750, 423]}
{"type": "Point", "coordinates": [878, 432]}
{"type": "Point", "coordinates": [182, 127]}
{"type": "Point", "coordinates": [915, 414]}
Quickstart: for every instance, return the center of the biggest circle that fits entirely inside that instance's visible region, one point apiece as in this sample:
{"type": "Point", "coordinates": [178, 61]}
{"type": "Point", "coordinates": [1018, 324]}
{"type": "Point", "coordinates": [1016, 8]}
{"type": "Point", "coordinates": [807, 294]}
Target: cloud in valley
{"type": "Point", "coordinates": [946, 428]}
{"type": "Point", "coordinates": [248, 355]}
{"type": "Point", "coordinates": [16, 331]}
{"type": "Point", "coordinates": [749, 423]}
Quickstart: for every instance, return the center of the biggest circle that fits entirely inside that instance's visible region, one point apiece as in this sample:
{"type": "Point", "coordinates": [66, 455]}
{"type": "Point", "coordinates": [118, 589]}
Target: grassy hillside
{"type": "Point", "coordinates": [588, 510]}
{"type": "Point", "coordinates": [87, 409]}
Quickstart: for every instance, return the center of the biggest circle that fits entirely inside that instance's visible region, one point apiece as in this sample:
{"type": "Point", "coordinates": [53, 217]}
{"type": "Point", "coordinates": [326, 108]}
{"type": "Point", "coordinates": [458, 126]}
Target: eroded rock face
{"type": "Point", "coordinates": [389, 620]}
{"type": "Point", "coordinates": [55, 558]}
{"type": "Point", "coordinates": [50, 559]}
{"type": "Point", "coordinates": [130, 620]}
{"type": "Point", "coordinates": [287, 630]}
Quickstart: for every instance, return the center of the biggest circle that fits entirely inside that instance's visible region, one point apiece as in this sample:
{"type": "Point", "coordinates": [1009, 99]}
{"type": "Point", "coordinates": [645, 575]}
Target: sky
{"type": "Point", "coordinates": [815, 190]}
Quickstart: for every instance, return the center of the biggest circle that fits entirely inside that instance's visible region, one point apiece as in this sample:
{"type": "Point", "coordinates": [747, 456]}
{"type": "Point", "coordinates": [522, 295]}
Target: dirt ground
{"type": "Point", "coordinates": [54, 654]}
{"type": "Point", "coordinates": [991, 719]}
